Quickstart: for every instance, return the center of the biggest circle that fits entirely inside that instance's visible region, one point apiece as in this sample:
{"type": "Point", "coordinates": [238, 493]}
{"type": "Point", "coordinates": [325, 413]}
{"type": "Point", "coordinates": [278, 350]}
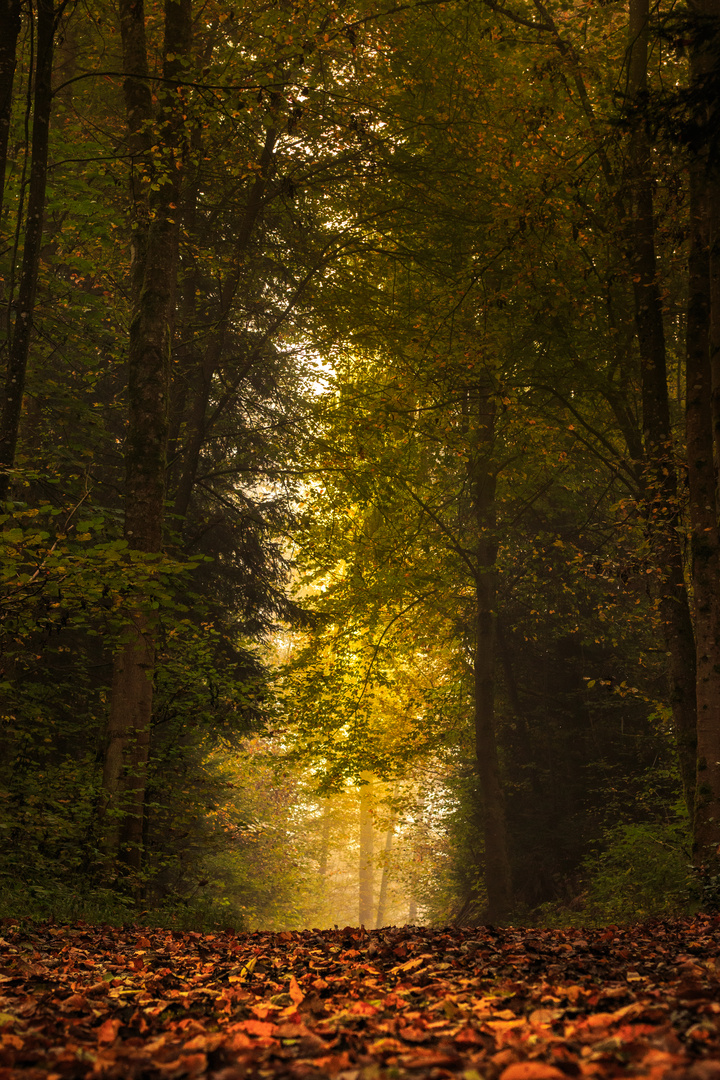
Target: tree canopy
{"type": "Point", "coordinates": [358, 459]}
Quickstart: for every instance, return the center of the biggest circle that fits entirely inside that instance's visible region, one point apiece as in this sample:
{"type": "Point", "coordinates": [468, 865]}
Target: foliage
{"type": "Point", "coordinates": [391, 219]}
{"type": "Point", "coordinates": [638, 871]}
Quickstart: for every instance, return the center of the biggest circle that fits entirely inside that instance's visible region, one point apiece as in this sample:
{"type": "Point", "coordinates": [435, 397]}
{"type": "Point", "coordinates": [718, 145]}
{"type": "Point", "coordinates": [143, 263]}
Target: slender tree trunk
{"type": "Point", "coordinates": [707, 833]}
{"type": "Point", "coordinates": [200, 386]}
{"type": "Point", "coordinates": [10, 23]}
{"type": "Point", "coordinates": [366, 852]}
{"type": "Point", "coordinates": [19, 343]}
{"type": "Point", "coordinates": [660, 481]}
{"type": "Point", "coordinates": [156, 230]}
{"type": "Point", "coordinates": [483, 482]}
{"type": "Point", "coordinates": [385, 879]}
{"type": "Point", "coordinates": [703, 426]}
{"type": "Point", "coordinates": [325, 841]}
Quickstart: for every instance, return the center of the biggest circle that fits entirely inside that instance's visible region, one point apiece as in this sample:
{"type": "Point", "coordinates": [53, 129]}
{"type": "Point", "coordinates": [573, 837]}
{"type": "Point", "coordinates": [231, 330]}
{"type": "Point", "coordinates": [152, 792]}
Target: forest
{"type": "Point", "coordinates": [359, 444]}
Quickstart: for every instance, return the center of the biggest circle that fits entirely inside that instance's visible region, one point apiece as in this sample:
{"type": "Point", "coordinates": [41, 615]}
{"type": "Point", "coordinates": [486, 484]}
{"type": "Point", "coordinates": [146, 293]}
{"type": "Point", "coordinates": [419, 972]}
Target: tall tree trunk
{"type": "Point", "coordinates": [385, 879]}
{"type": "Point", "coordinates": [703, 427]}
{"type": "Point", "coordinates": [703, 519]}
{"type": "Point", "coordinates": [659, 481]}
{"type": "Point", "coordinates": [156, 230]}
{"type": "Point", "coordinates": [366, 868]}
{"type": "Point", "coordinates": [10, 23]}
{"type": "Point", "coordinates": [19, 343]}
{"type": "Point", "coordinates": [483, 484]}
{"type": "Point", "coordinates": [325, 840]}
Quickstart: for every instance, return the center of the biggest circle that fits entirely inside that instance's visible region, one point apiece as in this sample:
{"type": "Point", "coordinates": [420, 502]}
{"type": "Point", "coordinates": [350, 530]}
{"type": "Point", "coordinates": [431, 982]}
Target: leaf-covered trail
{"type": "Point", "coordinates": [499, 1004]}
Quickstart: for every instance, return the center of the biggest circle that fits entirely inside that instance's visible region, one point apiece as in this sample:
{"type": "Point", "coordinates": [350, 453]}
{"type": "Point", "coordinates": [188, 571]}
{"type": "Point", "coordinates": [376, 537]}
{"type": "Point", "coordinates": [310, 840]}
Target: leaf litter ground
{"type": "Point", "coordinates": [480, 1003]}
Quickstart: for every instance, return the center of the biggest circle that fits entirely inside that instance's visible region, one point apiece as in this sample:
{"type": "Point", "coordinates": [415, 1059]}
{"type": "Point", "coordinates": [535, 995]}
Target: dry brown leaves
{"type": "Point", "coordinates": [473, 1003]}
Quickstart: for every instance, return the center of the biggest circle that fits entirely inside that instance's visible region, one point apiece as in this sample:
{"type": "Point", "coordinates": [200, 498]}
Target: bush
{"type": "Point", "coordinates": [640, 870]}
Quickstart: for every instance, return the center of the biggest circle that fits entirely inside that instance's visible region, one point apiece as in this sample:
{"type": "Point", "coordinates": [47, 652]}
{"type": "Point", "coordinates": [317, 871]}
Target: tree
{"type": "Point", "coordinates": [10, 24]}
{"type": "Point", "coordinates": [504, 297]}
{"type": "Point", "coordinates": [405, 308]}
{"type": "Point", "coordinates": [659, 477]}
{"type": "Point", "coordinates": [156, 231]}
{"type": "Point", "coordinates": [366, 864]}
{"type": "Point", "coordinates": [703, 426]}
{"type": "Point", "coordinates": [18, 345]}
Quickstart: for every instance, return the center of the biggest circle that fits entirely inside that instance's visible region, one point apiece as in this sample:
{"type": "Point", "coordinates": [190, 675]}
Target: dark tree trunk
{"type": "Point", "coordinates": [703, 427]}
{"type": "Point", "coordinates": [156, 230]}
{"type": "Point", "coordinates": [703, 519]}
{"type": "Point", "coordinates": [659, 481]}
{"type": "Point", "coordinates": [483, 484]}
{"type": "Point", "coordinates": [10, 23]}
{"type": "Point", "coordinates": [19, 343]}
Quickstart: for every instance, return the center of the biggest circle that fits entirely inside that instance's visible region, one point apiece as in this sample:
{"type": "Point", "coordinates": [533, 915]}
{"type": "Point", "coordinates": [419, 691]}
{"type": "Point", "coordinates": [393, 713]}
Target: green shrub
{"type": "Point", "coordinates": [639, 871]}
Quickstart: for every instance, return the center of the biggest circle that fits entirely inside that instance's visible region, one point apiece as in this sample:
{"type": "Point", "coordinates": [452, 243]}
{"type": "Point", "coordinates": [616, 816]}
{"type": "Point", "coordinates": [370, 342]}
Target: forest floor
{"type": "Point", "coordinates": [479, 1003]}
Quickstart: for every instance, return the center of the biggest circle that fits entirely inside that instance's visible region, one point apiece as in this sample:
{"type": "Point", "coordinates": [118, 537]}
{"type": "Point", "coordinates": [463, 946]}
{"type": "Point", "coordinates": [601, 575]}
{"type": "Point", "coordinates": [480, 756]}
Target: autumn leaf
{"type": "Point", "coordinates": [482, 1015]}
{"type": "Point", "coordinates": [107, 1032]}
{"type": "Point", "coordinates": [295, 992]}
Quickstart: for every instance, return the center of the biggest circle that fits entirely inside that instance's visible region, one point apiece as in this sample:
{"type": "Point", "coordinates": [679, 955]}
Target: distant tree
{"type": "Point", "coordinates": [20, 308]}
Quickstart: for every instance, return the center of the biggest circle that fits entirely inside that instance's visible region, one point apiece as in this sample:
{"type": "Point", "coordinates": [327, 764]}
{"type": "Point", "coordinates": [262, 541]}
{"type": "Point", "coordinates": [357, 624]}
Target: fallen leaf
{"type": "Point", "coordinates": [258, 1027]}
{"type": "Point", "coordinates": [107, 1032]}
{"type": "Point", "coordinates": [531, 1070]}
{"type": "Point", "coordinates": [295, 992]}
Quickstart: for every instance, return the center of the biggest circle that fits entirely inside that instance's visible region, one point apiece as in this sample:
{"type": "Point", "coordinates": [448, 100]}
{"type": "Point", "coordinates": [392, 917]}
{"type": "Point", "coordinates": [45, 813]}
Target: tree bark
{"type": "Point", "coordinates": [325, 841]}
{"type": "Point", "coordinates": [10, 23]}
{"type": "Point", "coordinates": [703, 426]}
{"type": "Point", "coordinates": [19, 343]}
{"type": "Point", "coordinates": [156, 230]}
{"type": "Point", "coordinates": [704, 535]}
{"type": "Point", "coordinates": [482, 477]}
{"type": "Point", "coordinates": [366, 868]}
{"type": "Point", "coordinates": [659, 480]}
{"type": "Point", "coordinates": [385, 878]}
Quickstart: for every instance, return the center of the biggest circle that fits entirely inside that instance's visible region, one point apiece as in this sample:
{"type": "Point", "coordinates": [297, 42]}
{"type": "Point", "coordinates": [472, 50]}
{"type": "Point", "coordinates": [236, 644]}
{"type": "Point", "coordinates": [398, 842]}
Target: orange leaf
{"type": "Point", "coordinates": [107, 1032]}
{"type": "Point", "coordinates": [239, 1041]}
{"type": "Point", "coordinates": [364, 1008]}
{"type": "Point", "coordinates": [413, 1034]}
{"type": "Point", "coordinates": [295, 992]}
{"type": "Point", "coordinates": [292, 1031]}
{"type": "Point", "coordinates": [432, 1057]}
{"type": "Point", "coordinates": [258, 1027]}
{"type": "Point", "coordinates": [192, 1064]}
{"type": "Point", "coordinates": [74, 1003]}
{"type": "Point", "coordinates": [467, 1035]}
{"type": "Point", "coordinates": [531, 1070]}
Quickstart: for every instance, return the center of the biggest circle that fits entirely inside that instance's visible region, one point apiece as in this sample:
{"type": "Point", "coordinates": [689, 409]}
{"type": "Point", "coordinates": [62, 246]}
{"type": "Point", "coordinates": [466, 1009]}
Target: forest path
{"type": "Point", "coordinates": [479, 1003]}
